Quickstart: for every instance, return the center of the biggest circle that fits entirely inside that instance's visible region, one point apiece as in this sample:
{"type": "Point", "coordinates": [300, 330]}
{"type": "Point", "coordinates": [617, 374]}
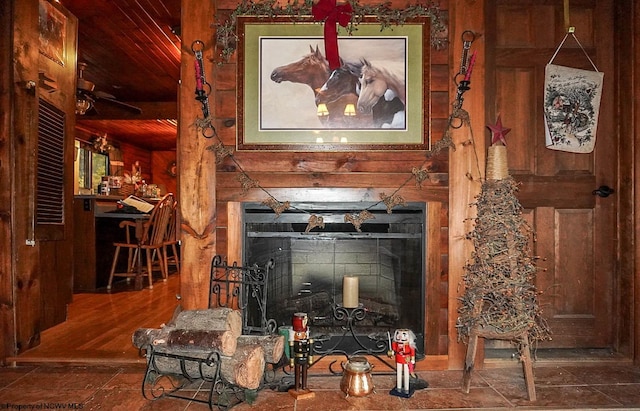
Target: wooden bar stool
{"type": "Point", "coordinates": [519, 337]}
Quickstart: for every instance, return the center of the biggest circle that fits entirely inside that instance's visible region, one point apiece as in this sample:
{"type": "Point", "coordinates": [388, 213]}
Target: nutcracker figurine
{"type": "Point", "coordinates": [404, 348]}
{"type": "Point", "coordinates": [301, 355]}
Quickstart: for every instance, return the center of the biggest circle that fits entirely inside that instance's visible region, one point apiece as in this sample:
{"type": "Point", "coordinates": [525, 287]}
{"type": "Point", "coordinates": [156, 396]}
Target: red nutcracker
{"type": "Point", "coordinates": [404, 348]}
{"type": "Point", "coordinates": [301, 356]}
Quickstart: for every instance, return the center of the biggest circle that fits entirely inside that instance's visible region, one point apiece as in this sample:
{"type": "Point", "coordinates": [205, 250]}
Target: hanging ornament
{"type": "Point", "coordinates": [221, 152]}
{"type": "Point", "coordinates": [358, 219]}
{"type": "Point", "coordinates": [392, 201]}
{"type": "Point", "coordinates": [571, 101]}
{"type": "Point", "coordinates": [276, 206]}
{"type": "Point", "coordinates": [247, 183]}
{"type": "Point", "coordinates": [421, 175]}
{"type": "Point", "coordinates": [314, 221]}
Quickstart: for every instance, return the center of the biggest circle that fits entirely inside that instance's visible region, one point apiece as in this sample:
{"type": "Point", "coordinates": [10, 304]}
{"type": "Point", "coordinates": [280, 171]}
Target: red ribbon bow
{"type": "Point", "coordinates": [330, 13]}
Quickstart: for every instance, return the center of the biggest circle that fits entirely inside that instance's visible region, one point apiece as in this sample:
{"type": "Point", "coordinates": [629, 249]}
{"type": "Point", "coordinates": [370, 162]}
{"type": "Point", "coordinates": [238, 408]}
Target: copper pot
{"type": "Point", "coordinates": [356, 377]}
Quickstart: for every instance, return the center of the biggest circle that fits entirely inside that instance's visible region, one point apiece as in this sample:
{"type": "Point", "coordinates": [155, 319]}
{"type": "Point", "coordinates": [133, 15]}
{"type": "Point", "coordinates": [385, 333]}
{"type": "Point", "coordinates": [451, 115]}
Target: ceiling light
{"type": "Point", "coordinates": [82, 105]}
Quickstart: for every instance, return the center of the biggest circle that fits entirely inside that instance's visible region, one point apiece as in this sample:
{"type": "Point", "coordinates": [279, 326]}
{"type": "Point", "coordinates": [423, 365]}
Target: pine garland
{"type": "Point", "coordinates": [300, 10]}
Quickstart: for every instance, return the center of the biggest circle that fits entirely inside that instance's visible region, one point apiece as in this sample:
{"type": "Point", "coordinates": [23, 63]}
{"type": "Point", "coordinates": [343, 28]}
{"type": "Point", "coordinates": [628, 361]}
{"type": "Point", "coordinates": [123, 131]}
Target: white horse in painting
{"type": "Point", "coordinates": [374, 83]}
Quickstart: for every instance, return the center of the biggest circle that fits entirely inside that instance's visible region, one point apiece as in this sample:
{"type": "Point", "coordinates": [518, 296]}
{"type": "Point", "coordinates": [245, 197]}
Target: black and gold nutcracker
{"type": "Point", "coordinates": [300, 345]}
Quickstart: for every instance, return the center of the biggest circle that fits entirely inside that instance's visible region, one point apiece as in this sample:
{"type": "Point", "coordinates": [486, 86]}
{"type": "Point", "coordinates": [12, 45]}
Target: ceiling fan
{"type": "Point", "coordinates": [86, 95]}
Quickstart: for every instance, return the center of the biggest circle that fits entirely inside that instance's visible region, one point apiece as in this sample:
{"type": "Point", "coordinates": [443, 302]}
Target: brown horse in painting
{"type": "Point", "coordinates": [342, 82]}
{"type": "Point", "coordinates": [343, 87]}
{"type": "Point", "coordinates": [374, 83]}
{"type": "Point", "coordinates": [312, 70]}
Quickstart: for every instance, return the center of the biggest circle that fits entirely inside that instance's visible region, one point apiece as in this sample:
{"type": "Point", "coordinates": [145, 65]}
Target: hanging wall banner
{"type": "Point", "coordinates": [571, 107]}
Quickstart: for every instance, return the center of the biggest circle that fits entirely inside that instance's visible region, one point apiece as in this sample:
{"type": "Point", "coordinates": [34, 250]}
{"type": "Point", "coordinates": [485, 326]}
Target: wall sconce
{"type": "Point", "coordinates": [350, 110]}
{"type": "Point", "coordinates": [82, 105]}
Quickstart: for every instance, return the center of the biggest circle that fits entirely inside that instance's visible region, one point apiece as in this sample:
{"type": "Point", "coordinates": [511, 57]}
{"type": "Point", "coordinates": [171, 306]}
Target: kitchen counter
{"type": "Point", "coordinates": [96, 228]}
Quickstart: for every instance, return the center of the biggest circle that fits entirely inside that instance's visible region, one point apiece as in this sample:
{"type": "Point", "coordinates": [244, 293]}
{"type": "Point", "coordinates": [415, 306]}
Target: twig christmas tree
{"type": "Point", "coordinates": [500, 297]}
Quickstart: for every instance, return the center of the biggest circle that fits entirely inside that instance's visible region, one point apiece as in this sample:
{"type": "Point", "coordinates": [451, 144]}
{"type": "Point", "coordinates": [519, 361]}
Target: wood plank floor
{"type": "Point", "coordinates": [99, 326]}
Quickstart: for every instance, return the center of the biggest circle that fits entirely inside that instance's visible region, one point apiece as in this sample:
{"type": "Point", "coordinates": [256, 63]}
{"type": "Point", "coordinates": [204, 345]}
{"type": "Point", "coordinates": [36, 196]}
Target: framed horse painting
{"type": "Point", "coordinates": [290, 99]}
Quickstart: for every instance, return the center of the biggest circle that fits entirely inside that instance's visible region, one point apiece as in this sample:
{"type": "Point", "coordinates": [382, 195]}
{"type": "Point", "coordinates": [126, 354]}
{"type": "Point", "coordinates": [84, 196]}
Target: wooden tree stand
{"type": "Point", "coordinates": [520, 337]}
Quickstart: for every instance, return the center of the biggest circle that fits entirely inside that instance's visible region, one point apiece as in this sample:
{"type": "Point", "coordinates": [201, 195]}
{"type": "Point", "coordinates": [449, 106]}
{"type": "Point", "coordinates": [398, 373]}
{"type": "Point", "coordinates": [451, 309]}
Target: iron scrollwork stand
{"type": "Point", "coordinates": [377, 348]}
{"type": "Point", "coordinates": [236, 286]}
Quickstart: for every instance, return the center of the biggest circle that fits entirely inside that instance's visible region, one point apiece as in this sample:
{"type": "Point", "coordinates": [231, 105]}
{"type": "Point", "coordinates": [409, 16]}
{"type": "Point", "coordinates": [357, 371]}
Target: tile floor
{"type": "Point", "coordinates": [118, 387]}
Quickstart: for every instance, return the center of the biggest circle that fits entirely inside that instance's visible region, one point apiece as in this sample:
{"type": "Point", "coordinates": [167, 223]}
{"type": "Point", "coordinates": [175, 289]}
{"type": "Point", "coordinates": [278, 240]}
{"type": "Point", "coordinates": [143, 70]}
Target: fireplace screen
{"type": "Point", "coordinates": [386, 256]}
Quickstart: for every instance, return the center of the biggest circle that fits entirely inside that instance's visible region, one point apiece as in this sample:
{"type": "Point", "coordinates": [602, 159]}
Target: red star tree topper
{"type": "Point", "coordinates": [498, 132]}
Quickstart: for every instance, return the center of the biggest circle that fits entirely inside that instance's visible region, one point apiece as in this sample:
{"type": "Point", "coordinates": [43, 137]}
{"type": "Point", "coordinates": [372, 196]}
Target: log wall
{"type": "Point", "coordinates": [160, 161]}
{"type": "Point", "coordinates": [7, 339]}
{"type": "Point", "coordinates": [342, 176]}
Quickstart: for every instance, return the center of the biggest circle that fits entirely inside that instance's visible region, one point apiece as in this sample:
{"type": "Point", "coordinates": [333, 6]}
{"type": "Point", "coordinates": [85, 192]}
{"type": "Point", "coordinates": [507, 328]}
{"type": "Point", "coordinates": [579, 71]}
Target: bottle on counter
{"type": "Point", "coordinates": [104, 186]}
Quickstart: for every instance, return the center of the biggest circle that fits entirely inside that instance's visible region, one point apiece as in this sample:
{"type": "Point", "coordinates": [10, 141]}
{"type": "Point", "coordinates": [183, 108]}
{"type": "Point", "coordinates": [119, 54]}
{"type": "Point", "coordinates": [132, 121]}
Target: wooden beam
{"type": "Point", "coordinates": [150, 110]}
{"type": "Point", "coordinates": [196, 164]}
{"type": "Point", "coordinates": [466, 162]}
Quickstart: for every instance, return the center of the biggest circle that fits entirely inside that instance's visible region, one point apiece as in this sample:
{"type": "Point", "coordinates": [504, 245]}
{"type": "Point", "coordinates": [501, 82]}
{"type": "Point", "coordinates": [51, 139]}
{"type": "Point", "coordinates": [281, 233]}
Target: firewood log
{"type": "Point", "coordinates": [245, 368]}
{"type": "Point", "coordinates": [146, 336]}
{"type": "Point", "coordinates": [172, 321]}
{"type": "Point", "coordinates": [223, 342]}
{"type": "Point", "coordinates": [273, 345]}
{"type": "Point", "coordinates": [218, 319]}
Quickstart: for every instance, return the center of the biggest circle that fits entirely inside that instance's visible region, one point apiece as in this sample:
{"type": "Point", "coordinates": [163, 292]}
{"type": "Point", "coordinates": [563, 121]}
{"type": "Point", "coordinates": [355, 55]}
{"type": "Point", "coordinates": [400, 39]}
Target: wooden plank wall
{"type": "Point", "coordinates": [7, 323]}
{"type": "Point", "coordinates": [160, 161]}
{"type": "Point", "coordinates": [342, 176]}
{"type": "Point", "coordinates": [628, 37]}
{"type": "Point", "coordinates": [22, 143]}
{"type": "Point", "coordinates": [635, 176]}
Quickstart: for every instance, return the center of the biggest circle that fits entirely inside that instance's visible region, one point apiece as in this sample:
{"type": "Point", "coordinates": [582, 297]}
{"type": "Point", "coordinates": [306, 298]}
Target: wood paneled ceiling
{"type": "Point", "coordinates": [132, 51]}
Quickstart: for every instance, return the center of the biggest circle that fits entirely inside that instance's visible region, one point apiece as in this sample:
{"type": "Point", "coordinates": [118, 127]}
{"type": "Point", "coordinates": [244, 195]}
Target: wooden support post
{"type": "Point", "coordinates": [464, 161]}
{"type": "Point", "coordinates": [196, 164]}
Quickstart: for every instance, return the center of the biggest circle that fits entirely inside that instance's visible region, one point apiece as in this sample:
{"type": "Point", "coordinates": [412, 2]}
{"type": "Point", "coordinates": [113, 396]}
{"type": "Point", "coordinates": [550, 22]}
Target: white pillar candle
{"type": "Point", "coordinates": [350, 292]}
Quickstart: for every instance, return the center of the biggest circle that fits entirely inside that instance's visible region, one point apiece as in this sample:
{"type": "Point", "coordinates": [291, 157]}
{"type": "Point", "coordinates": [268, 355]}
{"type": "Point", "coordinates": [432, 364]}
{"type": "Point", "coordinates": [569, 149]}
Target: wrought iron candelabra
{"type": "Point", "coordinates": [349, 343]}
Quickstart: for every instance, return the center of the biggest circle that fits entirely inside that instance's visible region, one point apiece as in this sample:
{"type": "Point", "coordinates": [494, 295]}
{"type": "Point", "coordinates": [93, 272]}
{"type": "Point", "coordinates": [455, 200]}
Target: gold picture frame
{"type": "Point", "coordinates": [52, 25]}
{"type": "Point", "coordinates": [281, 87]}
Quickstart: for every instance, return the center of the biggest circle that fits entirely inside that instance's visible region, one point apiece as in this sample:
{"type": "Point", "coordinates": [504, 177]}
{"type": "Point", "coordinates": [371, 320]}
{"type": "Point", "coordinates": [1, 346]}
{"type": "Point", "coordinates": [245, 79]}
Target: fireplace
{"type": "Point", "coordinates": [387, 256]}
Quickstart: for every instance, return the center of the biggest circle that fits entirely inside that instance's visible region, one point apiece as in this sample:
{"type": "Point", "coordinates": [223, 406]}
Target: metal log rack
{"type": "Point", "coordinates": [199, 379]}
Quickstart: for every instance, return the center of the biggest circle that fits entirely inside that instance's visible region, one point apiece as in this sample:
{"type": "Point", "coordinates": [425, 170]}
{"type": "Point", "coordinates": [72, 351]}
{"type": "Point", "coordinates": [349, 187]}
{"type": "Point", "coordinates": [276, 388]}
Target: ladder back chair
{"type": "Point", "coordinates": [171, 240]}
{"type": "Point", "coordinates": [150, 239]}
